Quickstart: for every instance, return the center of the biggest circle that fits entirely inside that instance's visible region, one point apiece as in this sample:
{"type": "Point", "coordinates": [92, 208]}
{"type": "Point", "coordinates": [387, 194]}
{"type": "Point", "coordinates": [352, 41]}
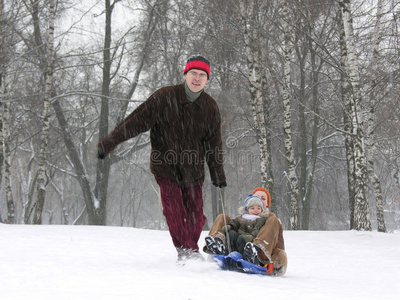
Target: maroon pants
{"type": "Point", "coordinates": [183, 211]}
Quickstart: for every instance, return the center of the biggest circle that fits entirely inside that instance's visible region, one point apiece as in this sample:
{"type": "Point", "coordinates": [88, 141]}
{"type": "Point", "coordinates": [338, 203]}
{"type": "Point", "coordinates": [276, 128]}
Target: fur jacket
{"type": "Point", "coordinates": [242, 225]}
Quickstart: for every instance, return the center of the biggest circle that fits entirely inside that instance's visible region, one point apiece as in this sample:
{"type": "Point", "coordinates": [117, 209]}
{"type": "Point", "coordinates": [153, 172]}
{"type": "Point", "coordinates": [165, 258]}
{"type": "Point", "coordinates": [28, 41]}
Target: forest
{"type": "Point", "coordinates": [308, 91]}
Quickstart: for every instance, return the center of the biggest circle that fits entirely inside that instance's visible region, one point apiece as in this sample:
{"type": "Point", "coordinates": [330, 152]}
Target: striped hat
{"type": "Point", "coordinates": [198, 62]}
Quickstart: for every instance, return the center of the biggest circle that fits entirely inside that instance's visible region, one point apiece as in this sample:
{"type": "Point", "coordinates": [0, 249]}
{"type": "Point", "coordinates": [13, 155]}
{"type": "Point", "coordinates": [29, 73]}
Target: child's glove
{"type": "Point", "coordinates": [226, 228]}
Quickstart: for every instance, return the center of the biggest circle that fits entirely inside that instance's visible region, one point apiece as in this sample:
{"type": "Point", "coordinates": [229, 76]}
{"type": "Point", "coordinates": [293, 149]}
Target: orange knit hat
{"type": "Point", "coordinates": [265, 191]}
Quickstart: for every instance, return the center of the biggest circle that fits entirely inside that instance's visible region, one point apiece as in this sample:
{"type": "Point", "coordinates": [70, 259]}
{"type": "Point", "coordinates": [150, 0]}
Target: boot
{"type": "Point", "coordinates": [215, 245]}
{"type": "Point", "coordinates": [185, 255]}
{"type": "Point", "coordinates": [250, 253]}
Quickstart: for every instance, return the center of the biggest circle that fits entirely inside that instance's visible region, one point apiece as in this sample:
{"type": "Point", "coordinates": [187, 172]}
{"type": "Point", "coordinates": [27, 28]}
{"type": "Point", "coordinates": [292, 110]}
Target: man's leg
{"type": "Point", "coordinates": [195, 219]}
{"type": "Point", "coordinates": [174, 211]}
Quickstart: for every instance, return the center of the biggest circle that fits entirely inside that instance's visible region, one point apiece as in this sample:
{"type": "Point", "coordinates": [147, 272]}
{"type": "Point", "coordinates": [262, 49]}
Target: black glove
{"type": "Point", "coordinates": [220, 185]}
{"type": "Point", "coordinates": [100, 155]}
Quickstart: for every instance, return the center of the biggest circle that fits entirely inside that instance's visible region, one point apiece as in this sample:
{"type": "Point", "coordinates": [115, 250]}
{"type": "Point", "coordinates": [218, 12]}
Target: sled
{"type": "Point", "coordinates": [235, 262]}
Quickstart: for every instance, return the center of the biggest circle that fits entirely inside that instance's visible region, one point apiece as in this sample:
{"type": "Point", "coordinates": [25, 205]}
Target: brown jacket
{"type": "Point", "coordinates": [183, 135]}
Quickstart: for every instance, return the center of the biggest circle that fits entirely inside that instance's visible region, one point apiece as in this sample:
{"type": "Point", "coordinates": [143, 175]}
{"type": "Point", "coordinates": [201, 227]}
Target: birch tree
{"type": "Point", "coordinates": [41, 182]}
{"type": "Point", "coordinates": [361, 206]}
{"type": "Point", "coordinates": [370, 128]}
{"type": "Point", "coordinates": [5, 130]}
{"type": "Point", "coordinates": [253, 17]}
{"type": "Point", "coordinates": [348, 126]}
{"type": "Point", "coordinates": [293, 183]}
{"type": "Point", "coordinates": [7, 157]}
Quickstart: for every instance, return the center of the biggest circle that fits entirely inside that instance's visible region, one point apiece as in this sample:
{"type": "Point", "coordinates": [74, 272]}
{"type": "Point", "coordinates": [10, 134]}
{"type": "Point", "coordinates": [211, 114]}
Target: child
{"type": "Point", "coordinates": [242, 229]}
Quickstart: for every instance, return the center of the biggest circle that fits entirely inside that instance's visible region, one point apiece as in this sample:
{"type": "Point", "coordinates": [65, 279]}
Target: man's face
{"type": "Point", "coordinates": [263, 196]}
{"type": "Point", "coordinates": [196, 80]}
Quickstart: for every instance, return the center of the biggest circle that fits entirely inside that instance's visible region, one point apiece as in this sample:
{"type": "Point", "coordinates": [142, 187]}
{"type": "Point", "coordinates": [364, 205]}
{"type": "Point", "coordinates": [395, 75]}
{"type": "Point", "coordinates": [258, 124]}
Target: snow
{"type": "Point", "coordinates": [89, 262]}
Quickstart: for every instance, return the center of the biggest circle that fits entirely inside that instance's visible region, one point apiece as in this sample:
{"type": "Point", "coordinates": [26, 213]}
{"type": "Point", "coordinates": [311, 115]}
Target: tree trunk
{"type": "Point", "coordinates": [269, 176]}
{"type": "Point", "coordinates": [370, 133]}
{"type": "Point", "coordinates": [2, 86]}
{"type": "Point", "coordinates": [269, 184]}
{"type": "Point", "coordinates": [2, 89]}
{"type": "Point", "coordinates": [2, 140]}
{"type": "Point", "coordinates": [314, 143]}
{"type": "Point", "coordinates": [293, 183]}
{"type": "Point", "coordinates": [304, 210]}
{"type": "Point", "coordinates": [7, 156]}
{"type": "Point", "coordinates": [257, 78]}
{"type": "Point", "coordinates": [361, 206]}
{"type": "Point", "coordinates": [346, 99]}
{"type": "Point", "coordinates": [41, 183]}
{"type": "Point", "coordinates": [103, 165]}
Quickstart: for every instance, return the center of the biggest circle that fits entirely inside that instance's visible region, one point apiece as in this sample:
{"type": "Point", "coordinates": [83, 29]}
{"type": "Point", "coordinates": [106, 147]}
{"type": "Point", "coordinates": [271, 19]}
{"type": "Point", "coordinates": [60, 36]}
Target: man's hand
{"type": "Point", "coordinates": [100, 155]}
{"type": "Point", "coordinates": [220, 185]}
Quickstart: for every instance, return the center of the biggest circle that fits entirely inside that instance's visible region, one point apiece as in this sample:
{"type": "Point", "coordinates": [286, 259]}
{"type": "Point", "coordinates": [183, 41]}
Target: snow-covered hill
{"type": "Point", "coordinates": [87, 262]}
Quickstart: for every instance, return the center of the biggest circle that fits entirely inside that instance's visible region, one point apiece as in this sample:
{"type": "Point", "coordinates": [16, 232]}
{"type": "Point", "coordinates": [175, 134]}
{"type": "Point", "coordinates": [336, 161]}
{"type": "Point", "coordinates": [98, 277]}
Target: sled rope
{"type": "Point", "coordinates": [228, 242]}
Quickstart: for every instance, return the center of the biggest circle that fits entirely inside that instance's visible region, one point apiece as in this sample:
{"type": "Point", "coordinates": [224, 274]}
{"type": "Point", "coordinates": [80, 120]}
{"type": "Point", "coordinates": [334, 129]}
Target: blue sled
{"type": "Point", "coordinates": [235, 262]}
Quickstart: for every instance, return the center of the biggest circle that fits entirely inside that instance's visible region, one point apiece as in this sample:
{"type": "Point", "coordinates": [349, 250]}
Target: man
{"type": "Point", "coordinates": [185, 132]}
{"type": "Point", "coordinates": [268, 246]}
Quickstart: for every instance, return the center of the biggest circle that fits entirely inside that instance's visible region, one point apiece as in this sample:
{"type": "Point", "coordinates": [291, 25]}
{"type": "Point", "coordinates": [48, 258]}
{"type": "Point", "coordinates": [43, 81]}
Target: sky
{"type": "Point", "coordinates": [92, 262]}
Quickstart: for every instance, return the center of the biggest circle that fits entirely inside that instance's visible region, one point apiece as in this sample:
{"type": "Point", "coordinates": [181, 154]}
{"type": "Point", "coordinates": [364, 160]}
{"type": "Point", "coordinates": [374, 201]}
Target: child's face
{"type": "Point", "coordinates": [254, 210]}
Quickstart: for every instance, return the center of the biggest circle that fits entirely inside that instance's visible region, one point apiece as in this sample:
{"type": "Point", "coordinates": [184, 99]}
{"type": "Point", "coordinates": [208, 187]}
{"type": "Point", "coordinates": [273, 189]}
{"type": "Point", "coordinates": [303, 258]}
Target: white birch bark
{"type": "Point", "coordinates": [370, 117]}
{"type": "Point", "coordinates": [7, 155]}
{"type": "Point", "coordinates": [346, 98]}
{"type": "Point", "coordinates": [6, 124]}
{"type": "Point", "coordinates": [7, 166]}
{"type": "Point", "coordinates": [361, 206]}
{"type": "Point", "coordinates": [267, 174]}
{"type": "Point", "coordinates": [256, 77]}
{"type": "Point", "coordinates": [41, 183]}
{"type": "Point", "coordinates": [293, 183]}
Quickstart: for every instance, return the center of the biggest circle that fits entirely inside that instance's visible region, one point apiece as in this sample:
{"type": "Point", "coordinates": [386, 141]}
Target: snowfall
{"type": "Point", "coordinates": [51, 262]}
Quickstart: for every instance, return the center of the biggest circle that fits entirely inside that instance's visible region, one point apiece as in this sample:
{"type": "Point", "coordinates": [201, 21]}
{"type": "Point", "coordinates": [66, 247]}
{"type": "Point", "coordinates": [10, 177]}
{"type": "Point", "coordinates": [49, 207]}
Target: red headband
{"type": "Point", "coordinates": [197, 64]}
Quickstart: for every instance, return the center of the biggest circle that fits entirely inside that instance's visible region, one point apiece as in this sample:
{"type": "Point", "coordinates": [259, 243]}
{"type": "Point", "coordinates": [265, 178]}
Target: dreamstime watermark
{"type": "Point", "coordinates": [194, 157]}
{"type": "Point", "coordinates": [231, 142]}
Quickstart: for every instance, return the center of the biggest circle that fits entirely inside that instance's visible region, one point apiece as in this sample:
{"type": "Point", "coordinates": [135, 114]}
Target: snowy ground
{"type": "Point", "coordinates": [84, 262]}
